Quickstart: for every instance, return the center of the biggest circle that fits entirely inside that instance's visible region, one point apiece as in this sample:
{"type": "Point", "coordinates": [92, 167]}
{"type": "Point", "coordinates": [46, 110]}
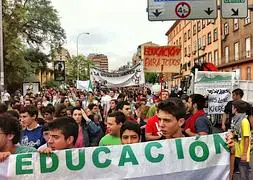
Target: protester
{"type": "Point", "coordinates": [125, 108]}
{"type": "Point", "coordinates": [237, 94]}
{"type": "Point", "coordinates": [114, 123]}
{"type": "Point", "coordinates": [130, 133]}
{"type": "Point", "coordinates": [10, 132]}
{"type": "Point", "coordinates": [32, 135]}
{"type": "Point", "coordinates": [49, 113]}
{"type": "Point", "coordinates": [241, 128]}
{"type": "Point", "coordinates": [197, 123]}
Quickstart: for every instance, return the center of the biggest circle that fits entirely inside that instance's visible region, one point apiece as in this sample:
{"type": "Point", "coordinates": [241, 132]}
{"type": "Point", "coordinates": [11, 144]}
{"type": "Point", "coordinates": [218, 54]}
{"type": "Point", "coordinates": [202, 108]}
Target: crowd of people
{"type": "Point", "coordinates": [54, 120]}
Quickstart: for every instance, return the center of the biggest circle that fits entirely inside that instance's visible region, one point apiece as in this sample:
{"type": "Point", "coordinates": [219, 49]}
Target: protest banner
{"type": "Point", "coordinates": [162, 59]}
{"type": "Point", "coordinates": [217, 100]}
{"type": "Point", "coordinates": [84, 85]}
{"type": "Point", "coordinates": [205, 157]}
{"type": "Point", "coordinates": [131, 77]}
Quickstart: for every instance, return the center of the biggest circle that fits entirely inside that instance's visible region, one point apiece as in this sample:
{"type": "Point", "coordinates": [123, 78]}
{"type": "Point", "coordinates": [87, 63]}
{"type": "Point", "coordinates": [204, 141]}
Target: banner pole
{"type": "Point", "coordinates": [161, 78]}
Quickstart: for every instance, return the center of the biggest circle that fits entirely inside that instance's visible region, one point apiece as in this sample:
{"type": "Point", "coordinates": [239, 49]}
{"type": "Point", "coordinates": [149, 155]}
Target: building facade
{"type": "Point", "coordinates": [139, 55]}
{"type": "Point", "coordinates": [237, 49]}
{"type": "Point", "coordinates": [99, 60]}
{"type": "Point", "coordinates": [227, 43]}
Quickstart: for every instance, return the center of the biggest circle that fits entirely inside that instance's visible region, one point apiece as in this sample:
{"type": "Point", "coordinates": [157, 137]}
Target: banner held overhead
{"type": "Point", "coordinates": [168, 57]}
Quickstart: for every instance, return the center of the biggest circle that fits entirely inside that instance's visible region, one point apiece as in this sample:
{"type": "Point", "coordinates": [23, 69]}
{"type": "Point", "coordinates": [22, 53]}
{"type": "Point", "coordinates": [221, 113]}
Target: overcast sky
{"type": "Point", "coordinates": [116, 27]}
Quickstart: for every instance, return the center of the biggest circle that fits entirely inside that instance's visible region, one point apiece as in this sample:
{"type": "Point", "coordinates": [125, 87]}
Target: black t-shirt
{"type": "Point", "coordinates": [228, 110]}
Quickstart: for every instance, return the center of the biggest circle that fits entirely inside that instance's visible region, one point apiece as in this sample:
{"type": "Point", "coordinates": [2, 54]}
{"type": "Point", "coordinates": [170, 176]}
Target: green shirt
{"type": "Point", "coordinates": [109, 140]}
{"type": "Point", "coordinates": [24, 149]}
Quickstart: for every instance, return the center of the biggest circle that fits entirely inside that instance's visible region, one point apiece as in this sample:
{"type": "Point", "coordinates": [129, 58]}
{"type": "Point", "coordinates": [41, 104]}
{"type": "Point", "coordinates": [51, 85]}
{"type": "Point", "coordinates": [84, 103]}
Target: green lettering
{"type": "Point", "coordinates": [95, 158]}
{"type": "Point", "coordinates": [148, 155]}
{"type": "Point", "coordinates": [193, 154]}
{"type": "Point", "coordinates": [123, 159]}
{"type": "Point", "coordinates": [180, 152]}
{"type": "Point", "coordinates": [43, 163]}
{"type": "Point", "coordinates": [20, 163]}
{"type": "Point", "coordinates": [218, 142]}
{"type": "Point", "coordinates": [69, 160]}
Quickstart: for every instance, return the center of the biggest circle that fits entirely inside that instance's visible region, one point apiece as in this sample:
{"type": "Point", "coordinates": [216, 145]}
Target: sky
{"type": "Point", "coordinates": [116, 27]}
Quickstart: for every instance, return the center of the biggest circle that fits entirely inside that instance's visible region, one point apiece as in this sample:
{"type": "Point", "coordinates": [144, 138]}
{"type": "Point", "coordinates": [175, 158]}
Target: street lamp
{"type": "Point", "coordinates": [77, 41]}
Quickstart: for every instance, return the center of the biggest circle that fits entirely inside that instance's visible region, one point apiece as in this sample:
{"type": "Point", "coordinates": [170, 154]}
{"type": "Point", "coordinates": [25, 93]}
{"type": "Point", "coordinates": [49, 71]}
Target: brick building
{"type": "Point", "coordinates": [100, 61]}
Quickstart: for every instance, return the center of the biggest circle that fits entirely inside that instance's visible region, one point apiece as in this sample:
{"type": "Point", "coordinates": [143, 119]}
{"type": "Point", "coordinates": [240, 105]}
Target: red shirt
{"type": "Point", "coordinates": [153, 125]}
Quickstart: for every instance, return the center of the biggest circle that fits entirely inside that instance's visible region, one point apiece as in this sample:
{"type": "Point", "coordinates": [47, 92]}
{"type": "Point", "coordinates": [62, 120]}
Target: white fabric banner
{"type": "Point", "coordinates": [205, 157]}
{"type": "Point", "coordinates": [84, 85]}
{"type": "Point", "coordinates": [131, 77]}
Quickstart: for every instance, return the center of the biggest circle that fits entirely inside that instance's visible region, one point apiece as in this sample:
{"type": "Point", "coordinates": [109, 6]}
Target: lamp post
{"type": "Point", "coordinates": [1, 49]}
{"type": "Point", "coordinates": [77, 41]}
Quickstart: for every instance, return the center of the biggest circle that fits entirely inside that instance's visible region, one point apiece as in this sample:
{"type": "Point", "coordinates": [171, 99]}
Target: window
{"type": "Point", "coordinates": [189, 34]}
{"type": "Point", "coordinates": [236, 24]}
{"type": "Point", "coordinates": [215, 34]}
{"type": "Point", "coordinates": [180, 41]}
{"type": "Point", "coordinates": [199, 43]}
{"type": "Point", "coordinates": [236, 51]}
{"type": "Point", "coordinates": [226, 28]}
{"type": "Point", "coordinates": [194, 29]}
{"type": "Point", "coordinates": [194, 46]}
{"type": "Point", "coordinates": [185, 37]}
{"type": "Point", "coordinates": [210, 57]}
{"type": "Point", "coordinates": [248, 47]}
{"type": "Point", "coordinates": [189, 49]}
{"type": "Point", "coordinates": [248, 71]}
{"type": "Point", "coordinates": [203, 23]}
{"type": "Point", "coordinates": [204, 40]}
{"type": "Point", "coordinates": [226, 55]}
{"type": "Point", "coordinates": [177, 42]}
{"type": "Point", "coordinates": [247, 19]}
{"type": "Point", "coordinates": [185, 51]}
{"type": "Point", "coordinates": [215, 57]}
{"type": "Point", "coordinates": [199, 26]}
{"type": "Point", "coordinates": [209, 38]}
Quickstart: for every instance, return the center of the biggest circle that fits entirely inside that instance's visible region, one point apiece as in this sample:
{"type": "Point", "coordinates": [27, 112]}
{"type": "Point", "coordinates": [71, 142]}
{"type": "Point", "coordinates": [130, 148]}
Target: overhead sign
{"type": "Point", "coordinates": [162, 59]}
{"type": "Point", "coordinates": [164, 10]}
{"type": "Point", "coordinates": [234, 9]}
{"type": "Point", "coordinates": [131, 77]}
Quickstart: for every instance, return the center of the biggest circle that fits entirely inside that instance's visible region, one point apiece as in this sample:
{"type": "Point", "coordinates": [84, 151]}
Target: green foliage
{"type": "Point", "coordinates": [84, 68]}
{"type": "Point", "coordinates": [28, 23]}
{"type": "Point", "coordinates": [151, 78]}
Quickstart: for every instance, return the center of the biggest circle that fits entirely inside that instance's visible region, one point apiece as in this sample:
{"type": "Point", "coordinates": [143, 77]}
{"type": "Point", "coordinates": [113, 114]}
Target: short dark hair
{"type": "Point", "coordinates": [121, 104]}
{"type": "Point", "coordinates": [13, 113]}
{"type": "Point", "coordinates": [10, 125]}
{"type": "Point", "coordinates": [91, 106]}
{"type": "Point", "coordinates": [238, 91]}
{"type": "Point", "coordinates": [240, 106]}
{"type": "Point", "coordinates": [132, 127]}
{"type": "Point", "coordinates": [67, 125]}
{"type": "Point", "coordinates": [31, 110]}
{"type": "Point", "coordinates": [199, 100]}
{"type": "Point", "coordinates": [119, 117]}
{"type": "Point", "coordinates": [3, 108]}
{"type": "Point", "coordinates": [49, 109]}
{"type": "Point", "coordinates": [174, 106]}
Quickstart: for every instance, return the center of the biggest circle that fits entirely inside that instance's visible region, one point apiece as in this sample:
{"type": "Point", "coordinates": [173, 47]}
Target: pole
{"type": "Point", "coordinates": [1, 48]}
{"type": "Point", "coordinates": [161, 79]}
{"type": "Point", "coordinates": [78, 64]}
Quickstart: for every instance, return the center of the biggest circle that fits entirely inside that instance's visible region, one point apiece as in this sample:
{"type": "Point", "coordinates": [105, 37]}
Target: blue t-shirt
{"type": "Point", "coordinates": [203, 125]}
{"type": "Point", "coordinates": [32, 138]}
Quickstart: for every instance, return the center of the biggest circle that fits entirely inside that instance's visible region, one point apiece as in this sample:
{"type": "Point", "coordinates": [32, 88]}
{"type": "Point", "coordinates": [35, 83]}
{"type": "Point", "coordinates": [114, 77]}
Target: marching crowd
{"type": "Point", "coordinates": [54, 120]}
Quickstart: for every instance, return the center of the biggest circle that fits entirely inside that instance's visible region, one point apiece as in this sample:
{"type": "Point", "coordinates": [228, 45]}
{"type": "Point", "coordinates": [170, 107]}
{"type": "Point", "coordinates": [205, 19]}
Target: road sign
{"type": "Point", "coordinates": [234, 8]}
{"type": "Point", "coordinates": [164, 10]}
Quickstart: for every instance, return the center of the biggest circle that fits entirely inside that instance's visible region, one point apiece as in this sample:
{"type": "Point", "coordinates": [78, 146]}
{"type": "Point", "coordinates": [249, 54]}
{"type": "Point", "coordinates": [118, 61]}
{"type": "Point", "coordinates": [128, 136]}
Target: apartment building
{"type": "Point", "coordinates": [237, 49]}
{"type": "Point", "coordinates": [200, 41]}
{"type": "Point", "coordinates": [99, 60]}
{"type": "Point", "coordinates": [139, 55]}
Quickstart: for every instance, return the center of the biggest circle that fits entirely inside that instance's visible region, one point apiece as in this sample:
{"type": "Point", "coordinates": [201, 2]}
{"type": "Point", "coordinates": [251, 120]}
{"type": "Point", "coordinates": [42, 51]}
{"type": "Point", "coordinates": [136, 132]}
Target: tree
{"type": "Point", "coordinates": [84, 68]}
{"type": "Point", "coordinates": [27, 23]}
{"type": "Point", "coordinates": [151, 78]}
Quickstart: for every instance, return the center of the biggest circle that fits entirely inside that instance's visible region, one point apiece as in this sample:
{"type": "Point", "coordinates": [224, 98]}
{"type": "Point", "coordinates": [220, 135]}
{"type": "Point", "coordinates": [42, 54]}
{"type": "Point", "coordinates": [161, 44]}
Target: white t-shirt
{"type": "Point", "coordinates": [6, 96]}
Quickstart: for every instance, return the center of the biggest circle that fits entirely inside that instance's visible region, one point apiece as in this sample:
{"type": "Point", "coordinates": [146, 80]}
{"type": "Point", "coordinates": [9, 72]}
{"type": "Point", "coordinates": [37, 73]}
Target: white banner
{"type": "Point", "coordinates": [217, 100]}
{"type": "Point", "coordinates": [131, 77]}
{"type": "Point", "coordinates": [84, 85]}
{"type": "Point", "coordinates": [205, 158]}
